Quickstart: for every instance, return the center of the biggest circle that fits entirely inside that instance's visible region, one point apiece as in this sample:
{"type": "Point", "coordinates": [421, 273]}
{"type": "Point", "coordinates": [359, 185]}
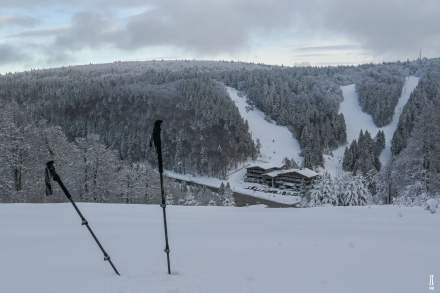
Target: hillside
{"type": "Point", "coordinates": [209, 131]}
{"type": "Point", "coordinates": [357, 120]}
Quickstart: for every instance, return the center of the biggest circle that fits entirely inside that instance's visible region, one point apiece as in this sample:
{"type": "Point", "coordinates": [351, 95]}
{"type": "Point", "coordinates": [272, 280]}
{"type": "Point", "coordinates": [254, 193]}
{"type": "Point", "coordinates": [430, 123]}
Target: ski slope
{"type": "Point", "coordinates": [44, 249]}
{"type": "Point", "coordinates": [409, 86]}
{"type": "Point", "coordinates": [357, 120]}
{"type": "Point", "coordinates": [277, 142]}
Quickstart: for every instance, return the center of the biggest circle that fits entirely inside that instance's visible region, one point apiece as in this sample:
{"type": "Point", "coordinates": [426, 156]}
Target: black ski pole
{"type": "Point", "coordinates": [51, 169]}
{"type": "Point", "coordinates": [158, 144]}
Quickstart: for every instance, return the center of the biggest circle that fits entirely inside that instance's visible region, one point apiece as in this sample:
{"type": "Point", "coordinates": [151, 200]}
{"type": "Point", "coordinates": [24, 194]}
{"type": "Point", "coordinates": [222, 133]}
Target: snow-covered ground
{"type": "Point", "coordinates": [357, 120]}
{"type": "Point", "coordinates": [237, 184]}
{"type": "Point", "coordinates": [410, 85]}
{"type": "Point", "coordinates": [44, 249]}
{"type": "Point", "coordinates": [277, 142]}
{"type": "Point", "coordinates": [202, 180]}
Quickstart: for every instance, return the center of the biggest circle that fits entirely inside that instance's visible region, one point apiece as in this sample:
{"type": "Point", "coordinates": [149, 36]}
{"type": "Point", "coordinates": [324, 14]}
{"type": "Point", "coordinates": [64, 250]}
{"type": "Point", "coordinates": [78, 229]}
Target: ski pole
{"type": "Point", "coordinates": [158, 144]}
{"type": "Point", "coordinates": [51, 169]}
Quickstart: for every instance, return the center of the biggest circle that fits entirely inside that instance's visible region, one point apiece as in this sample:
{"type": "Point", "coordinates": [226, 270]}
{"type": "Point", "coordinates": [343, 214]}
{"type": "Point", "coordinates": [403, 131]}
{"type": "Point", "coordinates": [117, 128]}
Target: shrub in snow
{"type": "Point", "coordinates": [413, 195]}
{"type": "Point", "coordinates": [190, 199]}
{"type": "Point", "coordinates": [432, 205]}
{"type": "Point", "coordinates": [227, 194]}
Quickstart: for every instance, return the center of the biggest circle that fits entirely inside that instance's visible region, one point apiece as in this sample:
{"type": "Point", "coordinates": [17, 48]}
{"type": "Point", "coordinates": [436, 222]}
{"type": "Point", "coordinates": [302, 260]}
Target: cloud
{"type": "Point", "coordinates": [23, 21]}
{"type": "Point", "coordinates": [383, 26]}
{"type": "Point", "coordinates": [315, 49]}
{"type": "Point", "coordinates": [10, 54]}
{"type": "Point", "coordinates": [212, 27]}
{"type": "Point", "coordinates": [195, 25]}
{"type": "Point", "coordinates": [88, 30]}
{"type": "Point", "coordinates": [39, 33]}
{"type": "Point", "coordinates": [386, 26]}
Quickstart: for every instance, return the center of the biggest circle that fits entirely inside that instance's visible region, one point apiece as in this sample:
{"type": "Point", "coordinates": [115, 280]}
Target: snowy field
{"type": "Point", "coordinates": [44, 249]}
{"type": "Point", "coordinates": [357, 120]}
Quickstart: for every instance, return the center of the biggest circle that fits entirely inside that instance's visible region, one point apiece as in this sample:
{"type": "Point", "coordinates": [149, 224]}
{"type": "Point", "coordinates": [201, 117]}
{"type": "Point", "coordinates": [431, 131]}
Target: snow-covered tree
{"type": "Point", "coordinates": [353, 191]}
{"type": "Point", "coordinates": [190, 199]}
{"type": "Point", "coordinates": [324, 192]}
{"type": "Point", "coordinates": [228, 196]}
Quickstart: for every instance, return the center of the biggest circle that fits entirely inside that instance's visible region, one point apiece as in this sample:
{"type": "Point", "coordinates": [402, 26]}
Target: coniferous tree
{"type": "Point", "coordinates": [363, 155]}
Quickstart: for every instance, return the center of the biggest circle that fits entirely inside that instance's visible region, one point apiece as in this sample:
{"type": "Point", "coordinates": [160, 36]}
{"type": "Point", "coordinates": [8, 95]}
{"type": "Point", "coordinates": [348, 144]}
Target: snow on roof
{"type": "Point", "coordinates": [264, 165]}
{"type": "Point", "coordinates": [304, 172]}
{"type": "Point", "coordinates": [275, 173]}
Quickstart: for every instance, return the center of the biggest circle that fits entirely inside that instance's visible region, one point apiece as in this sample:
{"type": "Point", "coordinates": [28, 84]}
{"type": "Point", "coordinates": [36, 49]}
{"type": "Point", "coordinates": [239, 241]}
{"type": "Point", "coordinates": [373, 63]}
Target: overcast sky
{"type": "Point", "coordinates": [47, 33]}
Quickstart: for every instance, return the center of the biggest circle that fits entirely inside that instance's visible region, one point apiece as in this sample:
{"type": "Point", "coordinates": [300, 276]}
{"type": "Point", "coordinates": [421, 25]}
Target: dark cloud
{"type": "Point", "coordinates": [386, 26]}
{"type": "Point", "coordinates": [88, 30]}
{"type": "Point", "coordinates": [10, 55]}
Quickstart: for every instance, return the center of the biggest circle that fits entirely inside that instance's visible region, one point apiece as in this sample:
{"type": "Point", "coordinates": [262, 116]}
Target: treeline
{"type": "Point", "coordinates": [204, 132]}
{"type": "Point", "coordinates": [92, 171]}
{"type": "Point", "coordinates": [379, 89]}
{"type": "Point", "coordinates": [415, 172]}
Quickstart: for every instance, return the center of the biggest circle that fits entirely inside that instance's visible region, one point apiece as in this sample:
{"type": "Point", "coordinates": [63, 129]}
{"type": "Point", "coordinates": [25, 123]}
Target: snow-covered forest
{"type": "Point", "coordinates": [96, 120]}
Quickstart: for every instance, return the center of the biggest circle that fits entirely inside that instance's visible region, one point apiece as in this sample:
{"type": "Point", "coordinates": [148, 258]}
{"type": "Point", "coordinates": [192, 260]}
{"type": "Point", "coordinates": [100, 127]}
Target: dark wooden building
{"type": "Point", "coordinates": [296, 179]}
{"type": "Point", "coordinates": [255, 173]}
{"type": "Point", "coordinates": [293, 179]}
